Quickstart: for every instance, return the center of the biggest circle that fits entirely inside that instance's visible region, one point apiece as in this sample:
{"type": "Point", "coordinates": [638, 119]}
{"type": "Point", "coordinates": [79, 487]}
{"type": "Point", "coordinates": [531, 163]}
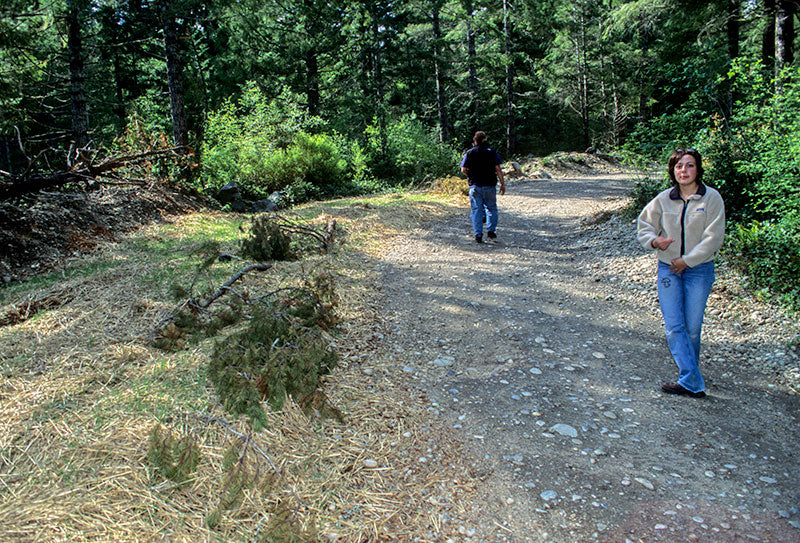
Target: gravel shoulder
{"type": "Point", "coordinates": [544, 353]}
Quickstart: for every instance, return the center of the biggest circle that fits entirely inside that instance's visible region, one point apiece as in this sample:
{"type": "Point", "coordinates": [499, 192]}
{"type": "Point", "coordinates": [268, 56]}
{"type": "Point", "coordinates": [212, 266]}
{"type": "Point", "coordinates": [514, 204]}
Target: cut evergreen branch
{"type": "Point", "coordinates": [282, 352]}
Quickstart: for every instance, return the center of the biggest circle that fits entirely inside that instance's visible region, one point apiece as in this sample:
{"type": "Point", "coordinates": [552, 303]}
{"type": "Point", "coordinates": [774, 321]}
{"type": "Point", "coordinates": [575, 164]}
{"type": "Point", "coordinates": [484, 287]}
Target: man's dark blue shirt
{"type": "Point", "coordinates": [480, 163]}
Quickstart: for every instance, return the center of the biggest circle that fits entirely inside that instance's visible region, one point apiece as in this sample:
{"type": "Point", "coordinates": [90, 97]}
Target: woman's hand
{"type": "Point", "coordinates": [677, 266]}
{"type": "Point", "coordinates": [661, 243]}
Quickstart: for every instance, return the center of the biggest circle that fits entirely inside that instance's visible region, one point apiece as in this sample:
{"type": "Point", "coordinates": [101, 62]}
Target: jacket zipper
{"type": "Point", "coordinates": [683, 237]}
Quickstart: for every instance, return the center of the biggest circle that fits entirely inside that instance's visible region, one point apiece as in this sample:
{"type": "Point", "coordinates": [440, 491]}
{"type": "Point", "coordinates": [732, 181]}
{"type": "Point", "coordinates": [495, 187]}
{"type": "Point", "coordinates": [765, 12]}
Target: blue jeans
{"type": "Point", "coordinates": [683, 301]}
{"type": "Point", "coordinates": [483, 203]}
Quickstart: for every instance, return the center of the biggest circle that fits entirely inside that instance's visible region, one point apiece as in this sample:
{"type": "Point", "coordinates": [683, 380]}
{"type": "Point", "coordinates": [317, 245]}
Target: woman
{"type": "Point", "coordinates": [685, 226]}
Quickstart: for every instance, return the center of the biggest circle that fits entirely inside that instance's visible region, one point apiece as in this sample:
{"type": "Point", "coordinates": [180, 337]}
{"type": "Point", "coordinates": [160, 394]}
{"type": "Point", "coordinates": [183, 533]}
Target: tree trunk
{"type": "Point", "coordinates": [732, 28]}
{"type": "Point", "coordinates": [312, 64]}
{"type": "Point", "coordinates": [511, 132]}
{"type": "Point", "coordinates": [583, 69]}
{"type": "Point", "coordinates": [472, 83]}
{"type": "Point", "coordinates": [618, 122]}
{"type": "Point", "coordinates": [441, 101]}
{"type": "Point", "coordinates": [784, 38]}
{"type": "Point", "coordinates": [174, 74]}
{"type": "Point", "coordinates": [608, 121]}
{"type": "Point", "coordinates": [645, 42]}
{"type": "Point", "coordinates": [5, 156]}
{"type": "Point", "coordinates": [732, 31]}
{"type": "Point", "coordinates": [78, 102]}
{"type": "Point", "coordinates": [312, 82]}
{"type": "Point", "coordinates": [618, 115]}
{"type": "Point", "coordinates": [784, 33]}
{"type": "Point", "coordinates": [378, 80]}
{"type": "Point", "coordinates": [768, 37]}
{"type": "Point", "coordinates": [119, 106]}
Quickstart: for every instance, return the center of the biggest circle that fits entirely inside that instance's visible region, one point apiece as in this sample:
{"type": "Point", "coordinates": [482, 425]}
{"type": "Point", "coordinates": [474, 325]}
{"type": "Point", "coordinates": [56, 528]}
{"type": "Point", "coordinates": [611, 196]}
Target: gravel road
{"type": "Point", "coordinates": [544, 352]}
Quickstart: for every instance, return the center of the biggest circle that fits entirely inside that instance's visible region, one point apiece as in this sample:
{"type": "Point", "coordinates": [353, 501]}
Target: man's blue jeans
{"type": "Point", "coordinates": [483, 202]}
{"type": "Point", "coordinates": [683, 301]}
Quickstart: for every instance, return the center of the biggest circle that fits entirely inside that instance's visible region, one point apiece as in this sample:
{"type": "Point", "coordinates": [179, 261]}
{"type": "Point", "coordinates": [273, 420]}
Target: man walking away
{"type": "Point", "coordinates": [481, 165]}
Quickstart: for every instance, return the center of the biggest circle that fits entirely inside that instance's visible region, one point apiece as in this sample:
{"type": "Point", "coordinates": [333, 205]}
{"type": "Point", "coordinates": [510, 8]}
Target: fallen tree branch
{"type": "Point", "coordinates": [325, 238]}
{"type": "Point", "coordinates": [202, 306]}
{"type": "Point", "coordinates": [329, 231]}
{"type": "Point", "coordinates": [82, 171]}
{"type": "Point", "coordinates": [227, 286]}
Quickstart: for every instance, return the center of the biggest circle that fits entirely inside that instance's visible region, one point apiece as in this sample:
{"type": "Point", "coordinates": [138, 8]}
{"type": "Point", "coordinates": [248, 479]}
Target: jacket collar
{"type": "Point", "coordinates": [675, 194]}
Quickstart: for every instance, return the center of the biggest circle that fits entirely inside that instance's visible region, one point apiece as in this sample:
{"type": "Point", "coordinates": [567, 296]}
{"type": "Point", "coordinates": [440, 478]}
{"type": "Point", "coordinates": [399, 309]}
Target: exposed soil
{"type": "Point", "coordinates": [544, 351]}
{"type": "Point", "coordinates": [49, 227]}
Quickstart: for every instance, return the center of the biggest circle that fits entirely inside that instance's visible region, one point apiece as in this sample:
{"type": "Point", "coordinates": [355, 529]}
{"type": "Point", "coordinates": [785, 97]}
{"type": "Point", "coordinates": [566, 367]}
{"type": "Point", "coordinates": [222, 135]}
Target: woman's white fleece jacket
{"type": "Point", "coordinates": [697, 225]}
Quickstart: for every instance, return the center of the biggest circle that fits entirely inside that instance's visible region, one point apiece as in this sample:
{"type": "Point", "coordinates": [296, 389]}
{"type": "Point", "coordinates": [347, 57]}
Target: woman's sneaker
{"type": "Point", "coordinates": [675, 388]}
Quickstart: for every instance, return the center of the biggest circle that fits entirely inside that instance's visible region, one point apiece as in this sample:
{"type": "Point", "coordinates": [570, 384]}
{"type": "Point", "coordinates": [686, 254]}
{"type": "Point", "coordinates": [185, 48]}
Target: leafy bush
{"type": "Point", "coordinates": [316, 159]}
{"type": "Point", "coordinates": [769, 253]}
{"type": "Point", "coordinates": [266, 145]}
{"type": "Point", "coordinates": [767, 126]}
{"type": "Point", "coordinates": [411, 153]}
{"type": "Point", "coordinates": [643, 191]}
{"type": "Point", "coordinates": [301, 191]}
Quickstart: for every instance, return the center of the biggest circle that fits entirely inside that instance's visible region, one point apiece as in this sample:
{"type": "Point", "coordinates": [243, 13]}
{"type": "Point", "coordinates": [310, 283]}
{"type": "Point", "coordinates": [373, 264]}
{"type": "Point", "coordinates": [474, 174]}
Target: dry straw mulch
{"type": "Point", "coordinates": [82, 388]}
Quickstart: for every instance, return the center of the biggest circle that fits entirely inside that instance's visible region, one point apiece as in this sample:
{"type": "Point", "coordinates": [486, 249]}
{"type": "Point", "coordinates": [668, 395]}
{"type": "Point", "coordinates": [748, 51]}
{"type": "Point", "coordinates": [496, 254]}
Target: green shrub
{"type": "Point", "coordinates": [643, 191]}
{"type": "Point", "coordinates": [267, 241]}
{"type": "Point", "coordinates": [301, 191]}
{"type": "Point", "coordinates": [767, 130]}
{"type": "Point", "coordinates": [264, 145]}
{"type": "Point", "coordinates": [769, 253]}
{"type": "Point", "coordinates": [411, 154]}
{"type": "Point", "coordinates": [317, 160]}
{"type": "Point", "coordinates": [267, 145]}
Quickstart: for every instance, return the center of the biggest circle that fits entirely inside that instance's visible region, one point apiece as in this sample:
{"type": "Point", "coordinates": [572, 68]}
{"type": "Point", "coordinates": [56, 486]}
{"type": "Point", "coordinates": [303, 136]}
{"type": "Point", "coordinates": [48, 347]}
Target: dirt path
{"type": "Point", "coordinates": [544, 352]}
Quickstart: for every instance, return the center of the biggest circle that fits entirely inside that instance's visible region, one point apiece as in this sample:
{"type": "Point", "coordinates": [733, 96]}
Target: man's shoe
{"type": "Point", "coordinates": [478, 239]}
{"type": "Point", "coordinates": [491, 235]}
{"type": "Point", "coordinates": [675, 388]}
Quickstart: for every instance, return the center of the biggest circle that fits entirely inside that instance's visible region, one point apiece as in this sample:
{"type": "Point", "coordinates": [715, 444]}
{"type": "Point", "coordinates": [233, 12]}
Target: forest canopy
{"type": "Point", "coordinates": [537, 76]}
{"type": "Point", "coordinates": [321, 98]}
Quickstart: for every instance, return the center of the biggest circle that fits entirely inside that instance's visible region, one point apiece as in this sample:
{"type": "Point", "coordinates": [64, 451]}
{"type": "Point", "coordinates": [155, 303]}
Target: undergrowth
{"type": "Point", "coordinates": [282, 352]}
{"type": "Point", "coordinates": [267, 241]}
{"type": "Point", "coordinates": [643, 191]}
{"type": "Point", "coordinates": [175, 458]}
{"type": "Point", "coordinates": [768, 253]}
{"type": "Point", "coordinates": [451, 185]}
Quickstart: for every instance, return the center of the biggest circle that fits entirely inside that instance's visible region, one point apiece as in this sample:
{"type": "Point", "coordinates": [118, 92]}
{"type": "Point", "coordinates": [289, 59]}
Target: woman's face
{"type": "Point", "coordinates": [686, 171]}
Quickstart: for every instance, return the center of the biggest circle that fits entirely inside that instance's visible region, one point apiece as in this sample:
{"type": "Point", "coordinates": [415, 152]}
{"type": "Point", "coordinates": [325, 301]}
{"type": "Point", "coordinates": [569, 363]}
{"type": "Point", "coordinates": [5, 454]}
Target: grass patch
{"type": "Point", "coordinates": [85, 388]}
{"type": "Point", "coordinates": [77, 270]}
{"type": "Point", "coordinates": [175, 382]}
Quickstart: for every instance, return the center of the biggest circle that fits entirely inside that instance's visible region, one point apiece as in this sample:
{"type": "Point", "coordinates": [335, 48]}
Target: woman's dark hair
{"type": "Point", "coordinates": [678, 154]}
{"type": "Point", "coordinates": [480, 138]}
